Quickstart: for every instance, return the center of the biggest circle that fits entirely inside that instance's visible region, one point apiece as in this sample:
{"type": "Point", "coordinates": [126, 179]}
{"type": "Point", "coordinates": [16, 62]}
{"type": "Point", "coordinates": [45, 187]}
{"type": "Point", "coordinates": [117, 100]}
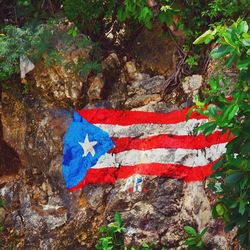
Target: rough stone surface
{"type": "Point", "coordinates": [155, 50]}
{"type": "Point", "coordinates": [217, 67]}
{"type": "Point", "coordinates": [115, 81]}
{"type": "Point", "coordinates": [96, 88]}
{"type": "Point", "coordinates": [59, 83]}
{"type": "Point", "coordinates": [191, 85]}
{"type": "Point", "coordinates": [41, 214]}
{"type": "Point", "coordinates": [144, 90]}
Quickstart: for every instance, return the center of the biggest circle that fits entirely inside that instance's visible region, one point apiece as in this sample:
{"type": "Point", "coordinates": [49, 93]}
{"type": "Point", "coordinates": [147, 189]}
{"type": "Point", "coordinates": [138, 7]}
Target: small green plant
{"type": "Point", "coordinates": [195, 239]}
{"type": "Point", "coordinates": [111, 235]}
{"type": "Point", "coordinates": [192, 61]}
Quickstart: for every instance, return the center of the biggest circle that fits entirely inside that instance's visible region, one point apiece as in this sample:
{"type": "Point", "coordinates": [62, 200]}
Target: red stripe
{"type": "Point", "coordinates": [110, 175]}
{"type": "Point", "coordinates": [120, 117]}
{"type": "Point", "coordinates": [169, 141]}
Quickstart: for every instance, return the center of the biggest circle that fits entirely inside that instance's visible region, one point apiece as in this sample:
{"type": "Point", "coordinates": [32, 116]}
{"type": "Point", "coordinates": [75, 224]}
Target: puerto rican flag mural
{"type": "Point", "coordinates": [104, 145]}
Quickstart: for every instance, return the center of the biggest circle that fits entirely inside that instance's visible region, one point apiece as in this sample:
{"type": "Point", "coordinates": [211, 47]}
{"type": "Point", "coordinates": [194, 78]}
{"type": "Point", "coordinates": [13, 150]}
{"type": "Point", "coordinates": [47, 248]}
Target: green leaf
{"type": "Point", "coordinates": [233, 112]}
{"type": "Point", "coordinates": [208, 35]}
{"type": "Point", "coordinates": [220, 51]}
{"type": "Point", "coordinates": [228, 38]}
{"type": "Point", "coordinates": [229, 62]}
{"type": "Point", "coordinates": [145, 17]}
{"type": "Point", "coordinates": [2, 202]}
{"type": "Point", "coordinates": [245, 149]}
{"type": "Point", "coordinates": [199, 244]}
{"type": "Point", "coordinates": [233, 178]}
{"type": "Point", "coordinates": [102, 229]}
{"type": "Point", "coordinates": [220, 209]}
{"type": "Point", "coordinates": [213, 110]}
{"type": "Point", "coordinates": [190, 111]}
{"type": "Point", "coordinates": [118, 218]}
{"type": "Point", "coordinates": [202, 233]}
{"type": "Point", "coordinates": [208, 130]}
{"type": "Point", "coordinates": [242, 207]}
{"type": "Point", "coordinates": [214, 84]}
{"type": "Point", "coordinates": [190, 241]}
{"type": "Point", "coordinates": [121, 14]}
{"type": "Point", "coordinates": [166, 8]}
{"type": "Point", "coordinates": [217, 165]}
{"type": "Point", "coordinates": [228, 114]}
{"type": "Point", "coordinates": [190, 230]}
{"type": "Point", "coordinates": [243, 27]}
{"type": "Point", "coordinates": [166, 17]}
{"type": "Point", "coordinates": [243, 64]}
{"type": "Point", "coordinates": [229, 227]}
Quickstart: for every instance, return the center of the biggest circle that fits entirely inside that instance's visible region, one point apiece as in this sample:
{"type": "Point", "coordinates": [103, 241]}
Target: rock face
{"type": "Point", "coordinates": [39, 212]}
{"type": "Point", "coordinates": [155, 50]}
{"type": "Point", "coordinates": [191, 85]}
{"type": "Point", "coordinates": [57, 82]}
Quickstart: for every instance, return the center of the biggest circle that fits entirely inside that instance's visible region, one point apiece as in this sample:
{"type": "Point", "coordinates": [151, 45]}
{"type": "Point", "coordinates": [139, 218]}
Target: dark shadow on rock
{"type": "Point", "coordinates": [9, 160]}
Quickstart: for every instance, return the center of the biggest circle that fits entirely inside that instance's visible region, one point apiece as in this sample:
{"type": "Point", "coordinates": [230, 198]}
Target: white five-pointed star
{"type": "Point", "coordinates": [88, 146]}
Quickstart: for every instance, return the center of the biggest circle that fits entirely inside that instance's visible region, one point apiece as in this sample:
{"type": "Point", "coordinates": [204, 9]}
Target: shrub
{"type": "Point", "coordinates": [37, 41]}
{"type": "Point", "coordinates": [231, 178]}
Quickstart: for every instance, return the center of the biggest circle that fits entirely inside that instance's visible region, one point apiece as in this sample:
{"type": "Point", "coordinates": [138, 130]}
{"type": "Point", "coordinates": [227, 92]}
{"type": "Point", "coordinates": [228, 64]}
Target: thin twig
{"type": "Point", "coordinates": [175, 79]}
{"type": "Point", "coordinates": [51, 7]}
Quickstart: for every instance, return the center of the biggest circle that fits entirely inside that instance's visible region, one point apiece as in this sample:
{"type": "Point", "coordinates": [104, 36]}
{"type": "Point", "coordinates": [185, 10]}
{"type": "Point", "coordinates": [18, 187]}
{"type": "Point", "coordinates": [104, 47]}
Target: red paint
{"type": "Point", "coordinates": [169, 141]}
{"type": "Point", "coordinates": [121, 117]}
{"type": "Point", "coordinates": [177, 171]}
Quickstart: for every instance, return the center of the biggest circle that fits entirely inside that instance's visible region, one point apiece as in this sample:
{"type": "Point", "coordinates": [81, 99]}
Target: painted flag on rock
{"type": "Point", "coordinates": [103, 145]}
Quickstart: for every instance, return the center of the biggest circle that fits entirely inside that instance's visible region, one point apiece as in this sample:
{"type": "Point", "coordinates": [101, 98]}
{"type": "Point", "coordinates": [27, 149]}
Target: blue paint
{"type": "Point", "coordinates": [75, 166]}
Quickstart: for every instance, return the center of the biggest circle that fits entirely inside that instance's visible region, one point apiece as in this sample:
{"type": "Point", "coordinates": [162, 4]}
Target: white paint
{"type": "Point", "coordinates": [87, 146]}
{"type": "Point", "coordinates": [187, 157]}
{"type": "Point", "coordinates": [25, 65]}
{"type": "Point", "coordinates": [143, 130]}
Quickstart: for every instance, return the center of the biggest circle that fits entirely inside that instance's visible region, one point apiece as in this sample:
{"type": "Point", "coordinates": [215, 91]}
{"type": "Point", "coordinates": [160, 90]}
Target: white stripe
{"type": "Point", "coordinates": [187, 157]}
{"type": "Point", "coordinates": [148, 129]}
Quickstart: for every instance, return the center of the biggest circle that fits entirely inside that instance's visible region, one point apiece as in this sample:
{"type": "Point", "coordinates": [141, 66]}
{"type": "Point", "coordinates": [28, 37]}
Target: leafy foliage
{"type": "Point", "coordinates": [231, 178]}
{"type": "Point", "coordinates": [226, 8]}
{"type": "Point", "coordinates": [36, 42]}
{"type": "Point", "coordinates": [97, 19]}
{"type": "Point", "coordinates": [194, 241]}
{"type": "Point", "coordinates": [90, 16]}
{"type": "Point", "coordinates": [112, 237]}
{"type": "Point", "coordinates": [195, 16]}
{"type": "Point", "coordinates": [137, 10]}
